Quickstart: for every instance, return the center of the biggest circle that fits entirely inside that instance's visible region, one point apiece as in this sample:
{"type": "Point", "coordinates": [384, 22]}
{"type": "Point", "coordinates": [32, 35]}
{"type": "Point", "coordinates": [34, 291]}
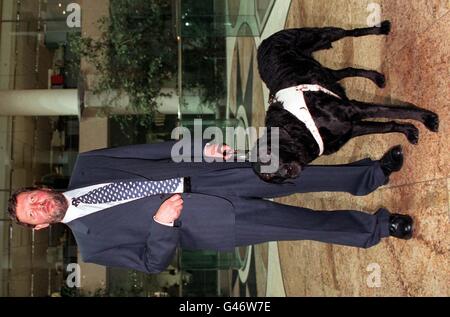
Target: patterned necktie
{"type": "Point", "coordinates": [127, 190]}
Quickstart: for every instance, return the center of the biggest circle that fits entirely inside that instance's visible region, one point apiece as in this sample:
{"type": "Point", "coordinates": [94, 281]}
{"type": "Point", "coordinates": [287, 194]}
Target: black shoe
{"type": "Point", "coordinates": [392, 161]}
{"type": "Point", "coordinates": [401, 226]}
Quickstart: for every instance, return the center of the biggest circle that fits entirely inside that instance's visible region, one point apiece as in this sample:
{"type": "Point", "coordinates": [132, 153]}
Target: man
{"type": "Point", "coordinates": [133, 206]}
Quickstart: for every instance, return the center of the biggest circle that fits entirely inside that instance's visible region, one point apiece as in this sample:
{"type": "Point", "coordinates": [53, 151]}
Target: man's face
{"type": "Point", "coordinates": [41, 208]}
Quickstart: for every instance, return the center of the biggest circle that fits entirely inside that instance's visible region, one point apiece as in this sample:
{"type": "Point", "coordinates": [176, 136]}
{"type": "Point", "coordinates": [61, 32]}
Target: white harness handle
{"type": "Point", "coordinates": [293, 101]}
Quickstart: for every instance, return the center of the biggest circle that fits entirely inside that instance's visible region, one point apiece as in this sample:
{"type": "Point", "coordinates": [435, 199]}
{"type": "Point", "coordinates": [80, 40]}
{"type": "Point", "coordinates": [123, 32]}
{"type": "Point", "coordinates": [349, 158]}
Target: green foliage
{"type": "Point", "coordinates": [135, 54]}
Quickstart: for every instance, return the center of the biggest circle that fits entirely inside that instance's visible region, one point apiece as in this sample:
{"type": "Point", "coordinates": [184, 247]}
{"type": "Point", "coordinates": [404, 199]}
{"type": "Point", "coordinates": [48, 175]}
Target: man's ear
{"type": "Point", "coordinates": [40, 227]}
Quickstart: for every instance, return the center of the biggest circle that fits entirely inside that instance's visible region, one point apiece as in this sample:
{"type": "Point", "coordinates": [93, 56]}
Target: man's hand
{"type": "Point", "coordinates": [218, 150]}
{"type": "Point", "coordinates": [170, 210]}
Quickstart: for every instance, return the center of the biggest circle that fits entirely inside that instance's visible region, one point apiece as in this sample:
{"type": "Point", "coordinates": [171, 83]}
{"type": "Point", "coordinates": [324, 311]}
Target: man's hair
{"type": "Point", "coordinates": [12, 205]}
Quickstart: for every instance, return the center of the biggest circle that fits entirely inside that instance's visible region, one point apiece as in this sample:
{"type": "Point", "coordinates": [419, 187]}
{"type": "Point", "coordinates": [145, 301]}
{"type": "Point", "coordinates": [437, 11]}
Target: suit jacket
{"type": "Point", "coordinates": [126, 235]}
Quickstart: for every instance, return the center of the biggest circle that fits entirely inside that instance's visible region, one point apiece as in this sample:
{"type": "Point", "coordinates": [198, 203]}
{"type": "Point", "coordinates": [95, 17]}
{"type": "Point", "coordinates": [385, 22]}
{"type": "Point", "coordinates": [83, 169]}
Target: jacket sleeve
{"type": "Point", "coordinates": [156, 151]}
{"type": "Point", "coordinates": [153, 257]}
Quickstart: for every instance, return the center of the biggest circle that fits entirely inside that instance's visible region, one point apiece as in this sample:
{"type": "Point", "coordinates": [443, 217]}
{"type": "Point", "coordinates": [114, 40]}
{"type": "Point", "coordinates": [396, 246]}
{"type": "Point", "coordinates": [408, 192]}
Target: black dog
{"type": "Point", "coordinates": [285, 61]}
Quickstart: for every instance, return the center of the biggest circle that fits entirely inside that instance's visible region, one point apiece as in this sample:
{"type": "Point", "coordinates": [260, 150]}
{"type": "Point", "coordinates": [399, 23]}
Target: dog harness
{"type": "Point", "coordinates": [293, 101]}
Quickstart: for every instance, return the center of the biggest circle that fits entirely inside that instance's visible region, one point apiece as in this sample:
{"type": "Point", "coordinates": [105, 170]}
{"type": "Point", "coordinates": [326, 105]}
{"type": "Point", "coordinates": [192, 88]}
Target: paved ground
{"type": "Point", "coordinates": [415, 59]}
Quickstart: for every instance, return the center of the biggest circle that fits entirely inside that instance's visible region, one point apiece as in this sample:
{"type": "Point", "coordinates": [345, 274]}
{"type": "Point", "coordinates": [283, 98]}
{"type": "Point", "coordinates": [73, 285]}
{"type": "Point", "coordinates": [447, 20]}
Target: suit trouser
{"type": "Point", "coordinates": [259, 220]}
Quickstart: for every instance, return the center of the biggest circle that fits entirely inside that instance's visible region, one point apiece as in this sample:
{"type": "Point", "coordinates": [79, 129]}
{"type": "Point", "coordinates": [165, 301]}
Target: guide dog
{"type": "Point", "coordinates": [310, 107]}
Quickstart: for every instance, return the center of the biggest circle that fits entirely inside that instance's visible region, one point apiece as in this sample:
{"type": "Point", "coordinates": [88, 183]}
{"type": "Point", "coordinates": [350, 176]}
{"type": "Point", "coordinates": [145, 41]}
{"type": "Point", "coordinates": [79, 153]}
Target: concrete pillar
{"type": "Point", "coordinates": [64, 102]}
{"type": "Point", "coordinates": [167, 105]}
{"type": "Point", "coordinates": [39, 102]}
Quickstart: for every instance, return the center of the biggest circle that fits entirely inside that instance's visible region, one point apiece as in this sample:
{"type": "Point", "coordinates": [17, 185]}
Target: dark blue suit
{"type": "Point", "coordinates": [224, 210]}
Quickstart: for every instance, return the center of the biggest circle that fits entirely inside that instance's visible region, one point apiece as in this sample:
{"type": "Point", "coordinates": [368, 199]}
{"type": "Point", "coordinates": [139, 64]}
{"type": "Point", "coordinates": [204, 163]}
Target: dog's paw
{"type": "Point", "coordinates": [380, 80]}
{"type": "Point", "coordinates": [431, 121]}
{"type": "Point", "coordinates": [385, 27]}
{"type": "Point", "coordinates": [412, 134]}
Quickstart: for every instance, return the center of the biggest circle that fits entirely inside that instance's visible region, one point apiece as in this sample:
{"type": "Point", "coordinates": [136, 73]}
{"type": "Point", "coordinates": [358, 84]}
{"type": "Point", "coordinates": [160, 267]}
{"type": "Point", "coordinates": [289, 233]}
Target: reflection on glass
{"type": "Point", "coordinates": [39, 144]}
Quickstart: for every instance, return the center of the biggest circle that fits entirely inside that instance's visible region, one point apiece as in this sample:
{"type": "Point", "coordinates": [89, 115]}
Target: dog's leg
{"type": "Point", "coordinates": [364, 128]}
{"type": "Point", "coordinates": [384, 29]}
{"type": "Point", "coordinates": [374, 76]}
{"type": "Point", "coordinates": [324, 37]}
{"type": "Point", "coordinates": [409, 112]}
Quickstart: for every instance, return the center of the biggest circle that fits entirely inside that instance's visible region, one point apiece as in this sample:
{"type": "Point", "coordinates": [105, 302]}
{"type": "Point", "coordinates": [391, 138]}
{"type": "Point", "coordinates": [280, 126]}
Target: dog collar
{"type": "Point", "coordinates": [293, 101]}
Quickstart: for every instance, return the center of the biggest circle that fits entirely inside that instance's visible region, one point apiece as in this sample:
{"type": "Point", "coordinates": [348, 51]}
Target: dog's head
{"type": "Point", "coordinates": [277, 161]}
{"type": "Point", "coordinates": [284, 152]}
{"type": "Point", "coordinates": [284, 172]}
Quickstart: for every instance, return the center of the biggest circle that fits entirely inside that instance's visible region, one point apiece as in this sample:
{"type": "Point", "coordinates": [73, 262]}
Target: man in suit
{"type": "Point", "coordinates": [133, 206]}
